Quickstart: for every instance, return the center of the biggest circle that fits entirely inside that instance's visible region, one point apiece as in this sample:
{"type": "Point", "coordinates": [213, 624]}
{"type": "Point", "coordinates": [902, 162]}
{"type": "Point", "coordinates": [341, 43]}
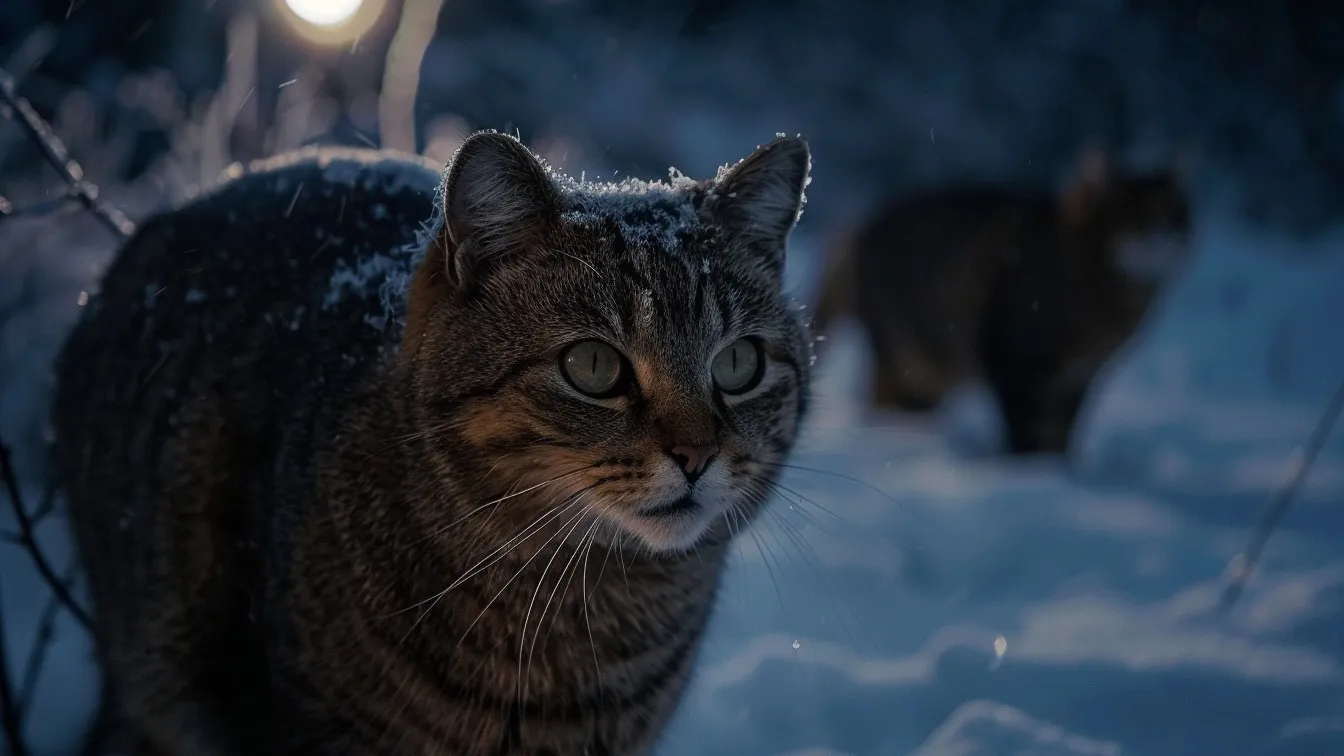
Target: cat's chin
{"type": "Point", "coordinates": [670, 527]}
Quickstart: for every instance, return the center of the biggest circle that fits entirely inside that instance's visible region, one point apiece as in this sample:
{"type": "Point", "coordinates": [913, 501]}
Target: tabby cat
{"type": "Point", "coordinates": [1030, 291]}
{"type": "Point", "coordinates": [348, 449]}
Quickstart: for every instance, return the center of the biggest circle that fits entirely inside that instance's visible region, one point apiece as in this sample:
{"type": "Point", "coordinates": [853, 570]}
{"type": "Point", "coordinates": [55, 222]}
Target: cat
{"type": "Point", "coordinates": [1032, 292]}
{"type": "Point", "coordinates": [348, 446]}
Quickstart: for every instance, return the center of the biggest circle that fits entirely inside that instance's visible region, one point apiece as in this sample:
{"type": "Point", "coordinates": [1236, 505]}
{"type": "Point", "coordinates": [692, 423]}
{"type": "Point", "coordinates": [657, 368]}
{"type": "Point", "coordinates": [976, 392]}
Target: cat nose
{"type": "Point", "coordinates": [693, 458]}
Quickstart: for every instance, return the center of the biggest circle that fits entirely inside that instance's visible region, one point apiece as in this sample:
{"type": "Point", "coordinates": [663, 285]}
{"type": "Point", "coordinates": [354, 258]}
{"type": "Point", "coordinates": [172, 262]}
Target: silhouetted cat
{"type": "Point", "coordinates": [348, 449]}
{"type": "Point", "coordinates": [1032, 292]}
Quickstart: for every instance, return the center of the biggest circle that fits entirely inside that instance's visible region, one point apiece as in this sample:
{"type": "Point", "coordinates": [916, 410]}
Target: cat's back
{"type": "Point", "coordinates": [926, 259]}
{"type": "Point", "coordinates": [280, 256]}
{"type": "Point", "coordinates": [929, 232]}
{"type": "Point", "coordinates": [219, 317]}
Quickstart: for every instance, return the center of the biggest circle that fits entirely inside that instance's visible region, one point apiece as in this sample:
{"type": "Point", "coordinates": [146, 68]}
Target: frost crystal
{"type": "Point", "coordinates": [359, 169]}
{"type": "Point", "coordinates": [655, 214]}
{"type": "Point", "coordinates": [386, 273]}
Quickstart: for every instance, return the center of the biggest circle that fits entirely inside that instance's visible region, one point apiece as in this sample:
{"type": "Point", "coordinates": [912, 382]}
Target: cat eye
{"type": "Point", "coordinates": [594, 368]}
{"type": "Point", "coordinates": [739, 367]}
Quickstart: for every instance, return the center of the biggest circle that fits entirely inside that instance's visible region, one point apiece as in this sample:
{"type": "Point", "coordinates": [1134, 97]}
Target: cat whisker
{"type": "Point", "coordinates": [417, 435]}
{"type": "Point", "coordinates": [499, 552]}
{"type": "Point", "coordinates": [578, 552]}
{"type": "Point", "coordinates": [799, 542]}
{"type": "Point", "coordinates": [580, 260]}
{"type": "Point", "coordinates": [506, 497]}
{"type": "Point", "coordinates": [557, 510]}
{"type": "Point", "coordinates": [507, 583]}
{"type": "Point", "coordinates": [434, 601]}
{"type": "Point", "coordinates": [541, 581]}
{"type": "Point", "coordinates": [809, 554]}
{"type": "Point", "coordinates": [780, 488]}
{"type": "Point", "coordinates": [833, 474]}
{"type": "Point", "coordinates": [620, 559]}
{"type": "Point", "coordinates": [491, 470]}
{"type": "Point", "coordinates": [739, 519]}
{"type": "Point", "coordinates": [796, 501]}
{"type": "Point", "coordinates": [800, 502]}
{"type": "Point", "coordinates": [611, 546]}
{"type": "Point", "coordinates": [517, 540]}
{"type": "Point", "coordinates": [764, 550]}
{"type": "Point", "coordinates": [587, 620]}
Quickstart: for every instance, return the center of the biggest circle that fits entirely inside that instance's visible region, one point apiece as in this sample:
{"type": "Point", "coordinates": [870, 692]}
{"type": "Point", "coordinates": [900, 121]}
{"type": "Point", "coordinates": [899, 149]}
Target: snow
{"type": "Point", "coordinates": [389, 274]}
{"type": "Point", "coordinates": [657, 214]}
{"type": "Point", "coordinates": [920, 595]}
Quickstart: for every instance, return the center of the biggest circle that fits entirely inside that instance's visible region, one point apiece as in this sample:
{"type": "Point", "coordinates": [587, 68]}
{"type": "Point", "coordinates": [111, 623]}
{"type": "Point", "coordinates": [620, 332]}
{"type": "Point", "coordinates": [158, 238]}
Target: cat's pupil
{"type": "Point", "coordinates": [736, 369]}
{"type": "Point", "coordinates": [592, 367]}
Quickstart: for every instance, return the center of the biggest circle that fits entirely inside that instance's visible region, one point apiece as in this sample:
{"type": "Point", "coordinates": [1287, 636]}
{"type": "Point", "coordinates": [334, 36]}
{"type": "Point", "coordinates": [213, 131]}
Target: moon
{"type": "Point", "coordinates": [324, 12]}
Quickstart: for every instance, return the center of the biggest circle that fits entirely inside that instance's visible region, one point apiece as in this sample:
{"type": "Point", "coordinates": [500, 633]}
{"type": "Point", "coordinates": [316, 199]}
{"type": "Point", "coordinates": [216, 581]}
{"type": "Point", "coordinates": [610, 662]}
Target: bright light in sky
{"type": "Point", "coordinates": [324, 12]}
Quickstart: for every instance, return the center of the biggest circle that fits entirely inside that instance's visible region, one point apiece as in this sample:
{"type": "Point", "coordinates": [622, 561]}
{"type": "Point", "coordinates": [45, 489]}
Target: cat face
{"type": "Point", "coordinates": [616, 358]}
{"type": "Point", "coordinates": [1142, 219]}
{"type": "Point", "coordinates": [1151, 242]}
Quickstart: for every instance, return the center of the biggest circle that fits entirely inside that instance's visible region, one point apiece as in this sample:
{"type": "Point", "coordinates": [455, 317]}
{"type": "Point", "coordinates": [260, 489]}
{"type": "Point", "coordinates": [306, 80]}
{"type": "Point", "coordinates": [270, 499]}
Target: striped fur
{"type": "Point", "coordinates": [334, 494]}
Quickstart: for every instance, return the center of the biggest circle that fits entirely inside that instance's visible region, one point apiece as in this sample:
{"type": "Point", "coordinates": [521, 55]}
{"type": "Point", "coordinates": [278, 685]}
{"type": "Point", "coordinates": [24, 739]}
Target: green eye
{"type": "Point", "coordinates": [739, 367]}
{"type": "Point", "coordinates": [594, 368]}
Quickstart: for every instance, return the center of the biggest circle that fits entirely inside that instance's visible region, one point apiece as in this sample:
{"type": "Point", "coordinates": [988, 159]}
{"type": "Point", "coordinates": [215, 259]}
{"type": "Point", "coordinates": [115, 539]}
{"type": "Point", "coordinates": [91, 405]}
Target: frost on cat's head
{"type": "Point", "coordinates": [763, 194]}
{"type": "Point", "coordinates": [650, 214]}
{"type": "Point", "coordinates": [497, 199]}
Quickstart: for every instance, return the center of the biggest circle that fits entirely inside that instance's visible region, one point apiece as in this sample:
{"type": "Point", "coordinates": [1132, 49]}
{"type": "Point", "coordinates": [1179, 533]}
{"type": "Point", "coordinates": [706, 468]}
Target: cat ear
{"type": "Point", "coordinates": [759, 200]}
{"type": "Point", "coordinates": [1084, 189]}
{"type": "Point", "coordinates": [1093, 170]}
{"type": "Point", "coordinates": [498, 201]}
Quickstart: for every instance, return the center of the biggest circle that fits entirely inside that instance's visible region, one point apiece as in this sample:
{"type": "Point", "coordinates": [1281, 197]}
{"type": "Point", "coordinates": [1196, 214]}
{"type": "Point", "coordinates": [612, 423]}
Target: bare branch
{"type": "Point", "coordinates": [30, 544]}
{"type": "Point", "coordinates": [1244, 563]}
{"type": "Point", "coordinates": [46, 633]}
{"type": "Point", "coordinates": [45, 507]}
{"type": "Point", "coordinates": [11, 718]}
{"type": "Point", "coordinates": [16, 702]}
{"type": "Point", "coordinates": [54, 150]}
{"type": "Point", "coordinates": [8, 210]}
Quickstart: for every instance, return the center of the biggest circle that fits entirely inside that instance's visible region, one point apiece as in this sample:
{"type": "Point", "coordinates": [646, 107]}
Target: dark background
{"type": "Point", "coordinates": [892, 94]}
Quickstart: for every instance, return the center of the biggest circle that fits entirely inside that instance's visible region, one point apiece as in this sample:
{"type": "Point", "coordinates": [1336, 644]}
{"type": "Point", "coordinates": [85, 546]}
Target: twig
{"type": "Point", "coordinates": [11, 719]}
{"type": "Point", "coordinates": [46, 632]}
{"type": "Point", "coordinates": [8, 210]}
{"type": "Point", "coordinates": [1244, 563]}
{"type": "Point", "coordinates": [54, 150]}
{"type": "Point", "coordinates": [29, 541]}
{"type": "Point", "coordinates": [16, 704]}
{"type": "Point", "coordinates": [47, 504]}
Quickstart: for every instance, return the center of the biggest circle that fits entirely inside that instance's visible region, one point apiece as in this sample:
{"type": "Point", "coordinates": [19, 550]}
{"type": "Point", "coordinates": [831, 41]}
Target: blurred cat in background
{"type": "Point", "coordinates": [1031, 291]}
